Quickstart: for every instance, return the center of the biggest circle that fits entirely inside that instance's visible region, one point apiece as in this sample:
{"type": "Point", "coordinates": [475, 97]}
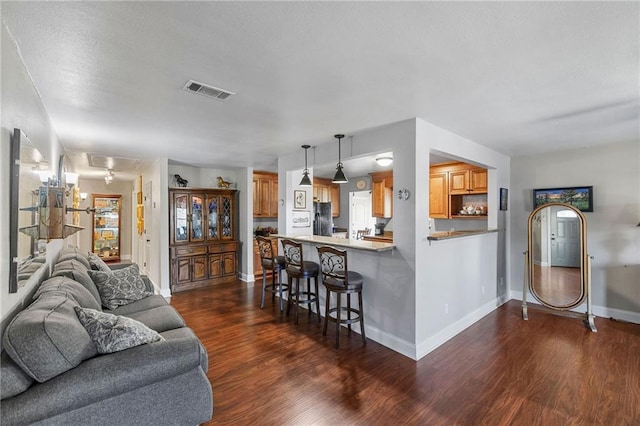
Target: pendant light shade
{"type": "Point", "coordinates": [306, 181]}
{"type": "Point", "coordinates": [339, 176]}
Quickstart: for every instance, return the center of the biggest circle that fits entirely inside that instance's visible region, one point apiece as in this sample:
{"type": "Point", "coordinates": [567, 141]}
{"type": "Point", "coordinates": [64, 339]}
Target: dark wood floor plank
{"type": "Point", "coordinates": [501, 370]}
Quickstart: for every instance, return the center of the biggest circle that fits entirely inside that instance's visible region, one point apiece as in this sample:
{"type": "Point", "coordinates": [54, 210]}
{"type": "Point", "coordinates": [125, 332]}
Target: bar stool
{"type": "Point", "coordinates": [298, 268]}
{"type": "Point", "coordinates": [337, 279]}
{"type": "Point", "coordinates": [275, 264]}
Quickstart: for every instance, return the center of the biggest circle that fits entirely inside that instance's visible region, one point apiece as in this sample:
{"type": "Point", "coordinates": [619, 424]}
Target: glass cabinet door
{"type": "Point", "coordinates": [181, 210]}
{"type": "Point", "coordinates": [226, 217]}
{"type": "Point", "coordinates": [106, 226]}
{"type": "Point", "coordinates": [212, 218]}
{"type": "Point", "coordinates": [197, 216]}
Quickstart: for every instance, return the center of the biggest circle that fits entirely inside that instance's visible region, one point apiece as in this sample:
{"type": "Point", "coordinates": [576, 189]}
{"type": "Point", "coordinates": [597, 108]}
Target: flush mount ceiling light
{"type": "Point", "coordinates": [384, 160]}
{"type": "Point", "coordinates": [306, 181]}
{"type": "Point", "coordinates": [339, 176]}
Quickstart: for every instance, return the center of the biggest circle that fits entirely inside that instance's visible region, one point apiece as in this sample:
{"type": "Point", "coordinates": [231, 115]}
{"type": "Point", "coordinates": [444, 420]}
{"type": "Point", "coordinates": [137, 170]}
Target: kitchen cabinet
{"type": "Point", "coordinates": [454, 186]}
{"type": "Point", "coordinates": [106, 226]}
{"type": "Point", "coordinates": [203, 240]}
{"type": "Point", "coordinates": [382, 194]}
{"type": "Point", "coordinates": [438, 195]}
{"type": "Point", "coordinates": [326, 191]}
{"type": "Point", "coordinates": [265, 195]}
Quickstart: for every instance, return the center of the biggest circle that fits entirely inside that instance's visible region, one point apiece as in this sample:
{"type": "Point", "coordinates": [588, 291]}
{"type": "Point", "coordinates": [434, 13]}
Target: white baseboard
{"type": "Point", "coordinates": [450, 331]}
{"type": "Point", "coordinates": [599, 311]}
{"type": "Point", "coordinates": [395, 343]}
{"type": "Point", "coordinates": [246, 277]}
{"type": "Point", "coordinates": [165, 292]}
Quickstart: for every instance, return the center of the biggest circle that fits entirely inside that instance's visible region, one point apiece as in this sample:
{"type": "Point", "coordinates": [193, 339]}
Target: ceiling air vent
{"type": "Point", "coordinates": [206, 90]}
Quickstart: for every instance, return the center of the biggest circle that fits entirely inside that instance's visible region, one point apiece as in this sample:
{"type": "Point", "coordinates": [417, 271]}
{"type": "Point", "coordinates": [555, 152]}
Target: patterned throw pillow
{"type": "Point", "coordinates": [119, 287]}
{"type": "Point", "coordinates": [98, 264]}
{"type": "Point", "coordinates": [112, 333]}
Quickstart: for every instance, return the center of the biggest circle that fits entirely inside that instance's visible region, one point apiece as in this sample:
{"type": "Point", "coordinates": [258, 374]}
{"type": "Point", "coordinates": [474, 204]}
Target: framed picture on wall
{"type": "Point", "coordinates": [504, 198]}
{"type": "Point", "coordinates": [580, 197]}
{"type": "Point", "coordinates": [299, 199]}
{"type": "Point", "coordinates": [301, 219]}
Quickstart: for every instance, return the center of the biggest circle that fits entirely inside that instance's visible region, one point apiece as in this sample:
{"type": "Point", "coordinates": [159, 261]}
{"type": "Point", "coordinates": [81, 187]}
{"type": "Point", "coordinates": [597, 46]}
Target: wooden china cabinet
{"type": "Point", "coordinates": [203, 242]}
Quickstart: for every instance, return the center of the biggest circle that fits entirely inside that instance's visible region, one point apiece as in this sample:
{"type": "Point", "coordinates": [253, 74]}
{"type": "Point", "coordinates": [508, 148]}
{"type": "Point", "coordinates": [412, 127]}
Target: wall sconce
{"type": "Point", "coordinates": [45, 176]}
{"type": "Point", "coordinates": [306, 181]}
{"type": "Point", "coordinates": [384, 160]}
{"type": "Point", "coordinates": [71, 179]}
{"type": "Point", "coordinates": [83, 196]}
{"type": "Point", "coordinates": [339, 176]}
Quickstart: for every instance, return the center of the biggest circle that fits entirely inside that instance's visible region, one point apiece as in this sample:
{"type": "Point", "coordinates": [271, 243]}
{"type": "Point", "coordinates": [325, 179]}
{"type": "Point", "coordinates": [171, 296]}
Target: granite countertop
{"type": "Point", "coordinates": [447, 235]}
{"type": "Point", "coordinates": [340, 242]}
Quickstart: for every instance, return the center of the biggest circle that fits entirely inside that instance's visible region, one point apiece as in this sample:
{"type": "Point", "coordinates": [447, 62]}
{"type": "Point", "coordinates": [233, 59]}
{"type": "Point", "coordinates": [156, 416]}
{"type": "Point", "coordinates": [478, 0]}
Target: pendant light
{"type": "Point", "coordinates": [339, 176]}
{"type": "Point", "coordinates": [305, 173]}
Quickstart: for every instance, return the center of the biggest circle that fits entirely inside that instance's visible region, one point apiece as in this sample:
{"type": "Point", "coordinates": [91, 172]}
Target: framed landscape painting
{"type": "Point", "coordinates": [581, 197]}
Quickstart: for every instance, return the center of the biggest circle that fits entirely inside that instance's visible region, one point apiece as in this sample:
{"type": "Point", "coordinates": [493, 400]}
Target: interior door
{"type": "Point", "coordinates": [360, 212]}
{"type": "Point", "coordinates": [148, 218]}
{"type": "Point", "coordinates": [565, 239]}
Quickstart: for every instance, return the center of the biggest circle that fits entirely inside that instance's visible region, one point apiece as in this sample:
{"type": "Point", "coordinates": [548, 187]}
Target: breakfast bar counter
{"type": "Point", "coordinates": [376, 246]}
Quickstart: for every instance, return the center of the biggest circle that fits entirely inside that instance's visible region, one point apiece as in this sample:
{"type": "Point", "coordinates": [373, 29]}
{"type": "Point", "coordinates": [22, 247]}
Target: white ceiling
{"type": "Point", "coordinates": [519, 77]}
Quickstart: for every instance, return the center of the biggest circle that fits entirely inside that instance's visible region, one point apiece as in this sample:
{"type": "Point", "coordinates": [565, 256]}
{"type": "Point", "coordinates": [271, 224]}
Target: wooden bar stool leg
{"type": "Point", "coordinates": [338, 322]}
{"type": "Point", "coordinates": [361, 307]}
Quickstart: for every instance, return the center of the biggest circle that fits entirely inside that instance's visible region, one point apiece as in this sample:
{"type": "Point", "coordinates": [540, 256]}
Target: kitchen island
{"type": "Point", "coordinates": [340, 242]}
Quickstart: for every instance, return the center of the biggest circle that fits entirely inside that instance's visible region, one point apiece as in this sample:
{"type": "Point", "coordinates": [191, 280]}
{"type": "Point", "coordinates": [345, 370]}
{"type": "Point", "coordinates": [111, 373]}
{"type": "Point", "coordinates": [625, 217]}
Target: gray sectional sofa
{"type": "Point", "coordinates": [54, 370]}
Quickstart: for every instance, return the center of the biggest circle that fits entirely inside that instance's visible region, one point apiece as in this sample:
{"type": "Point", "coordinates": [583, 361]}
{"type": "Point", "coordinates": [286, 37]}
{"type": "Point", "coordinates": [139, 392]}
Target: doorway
{"type": "Point", "coordinates": [360, 212]}
{"type": "Point", "coordinates": [565, 239]}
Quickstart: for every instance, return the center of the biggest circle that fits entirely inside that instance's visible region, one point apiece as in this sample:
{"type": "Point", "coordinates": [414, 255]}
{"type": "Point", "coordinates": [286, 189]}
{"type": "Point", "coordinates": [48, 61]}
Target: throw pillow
{"type": "Point", "coordinates": [98, 264]}
{"type": "Point", "coordinates": [120, 287]}
{"type": "Point", "coordinates": [113, 333]}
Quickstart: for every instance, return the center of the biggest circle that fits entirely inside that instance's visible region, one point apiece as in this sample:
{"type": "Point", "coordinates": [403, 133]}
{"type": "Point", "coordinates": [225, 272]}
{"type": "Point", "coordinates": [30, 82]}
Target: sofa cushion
{"type": "Point", "coordinates": [160, 319]}
{"type": "Point", "coordinates": [113, 333]}
{"type": "Point", "coordinates": [79, 257]}
{"type": "Point", "coordinates": [46, 338]}
{"type": "Point", "coordinates": [14, 379]}
{"type": "Point", "coordinates": [120, 287]}
{"type": "Point", "coordinates": [77, 272]}
{"type": "Point", "coordinates": [150, 302]}
{"type": "Point", "coordinates": [98, 264]}
{"type": "Point", "coordinates": [67, 286]}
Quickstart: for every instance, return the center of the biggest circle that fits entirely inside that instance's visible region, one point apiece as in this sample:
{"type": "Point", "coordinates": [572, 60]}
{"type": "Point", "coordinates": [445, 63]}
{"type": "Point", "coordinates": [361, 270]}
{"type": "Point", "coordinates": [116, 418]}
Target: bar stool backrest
{"type": "Point", "coordinates": [292, 255]}
{"type": "Point", "coordinates": [333, 263]}
{"type": "Point", "coordinates": [265, 245]}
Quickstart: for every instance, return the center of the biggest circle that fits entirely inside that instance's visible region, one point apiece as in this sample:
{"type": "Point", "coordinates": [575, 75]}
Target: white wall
{"type": "Point", "coordinates": [20, 107]}
{"type": "Point", "coordinates": [612, 235]}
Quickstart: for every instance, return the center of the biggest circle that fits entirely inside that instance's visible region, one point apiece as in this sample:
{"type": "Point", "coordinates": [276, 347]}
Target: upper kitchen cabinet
{"type": "Point", "coordinates": [382, 194]}
{"type": "Point", "coordinates": [265, 195]}
{"type": "Point", "coordinates": [456, 187]}
{"type": "Point", "coordinates": [325, 191]}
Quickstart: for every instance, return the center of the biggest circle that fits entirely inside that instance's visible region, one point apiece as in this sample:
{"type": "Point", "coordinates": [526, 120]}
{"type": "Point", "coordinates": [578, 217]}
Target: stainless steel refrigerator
{"type": "Point", "coordinates": [322, 220]}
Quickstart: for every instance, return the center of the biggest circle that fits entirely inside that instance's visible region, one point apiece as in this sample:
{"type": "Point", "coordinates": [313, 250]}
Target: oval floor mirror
{"type": "Point", "coordinates": [557, 266]}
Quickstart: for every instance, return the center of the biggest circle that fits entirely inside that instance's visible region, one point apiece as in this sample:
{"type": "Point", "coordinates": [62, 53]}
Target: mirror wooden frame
{"type": "Point", "coordinates": [585, 270]}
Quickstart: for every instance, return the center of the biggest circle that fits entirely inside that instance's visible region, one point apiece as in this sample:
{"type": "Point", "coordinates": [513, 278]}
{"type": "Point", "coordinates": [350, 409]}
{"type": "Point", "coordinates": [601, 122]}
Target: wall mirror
{"type": "Point", "coordinates": [26, 252]}
{"type": "Point", "coordinates": [557, 271]}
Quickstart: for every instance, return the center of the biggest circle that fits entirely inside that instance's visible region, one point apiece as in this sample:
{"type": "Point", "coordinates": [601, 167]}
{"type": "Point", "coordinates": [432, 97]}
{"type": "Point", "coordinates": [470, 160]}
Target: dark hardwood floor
{"type": "Point", "coordinates": [549, 370]}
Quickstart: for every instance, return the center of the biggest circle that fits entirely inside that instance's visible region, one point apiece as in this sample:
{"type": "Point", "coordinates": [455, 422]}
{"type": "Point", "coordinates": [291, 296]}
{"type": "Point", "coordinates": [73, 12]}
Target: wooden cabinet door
{"type": "Point", "coordinates": [227, 231]}
{"type": "Point", "coordinates": [273, 198]}
{"type": "Point", "coordinates": [180, 218]}
{"type": "Point", "coordinates": [334, 191]}
{"type": "Point", "coordinates": [199, 268]}
{"type": "Point", "coordinates": [478, 180]}
{"type": "Point", "coordinates": [257, 261]}
{"type": "Point", "coordinates": [459, 182]}
{"type": "Point", "coordinates": [438, 196]}
{"type": "Point", "coordinates": [183, 270]}
{"type": "Point", "coordinates": [215, 265]}
{"type": "Point", "coordinates": [228, 264]}
{"type": "Point", "coordinates": [265, 197]}
{"type": "Point", "coordinates": [256, 198]}
{"type": "Point", "coordinates": [377, 198]}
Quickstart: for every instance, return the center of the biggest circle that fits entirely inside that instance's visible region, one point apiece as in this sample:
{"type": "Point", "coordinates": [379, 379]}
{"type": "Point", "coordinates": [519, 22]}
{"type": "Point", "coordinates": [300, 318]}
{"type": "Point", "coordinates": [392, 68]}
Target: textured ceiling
{"type": "Point", "coordinates": [519, 77]}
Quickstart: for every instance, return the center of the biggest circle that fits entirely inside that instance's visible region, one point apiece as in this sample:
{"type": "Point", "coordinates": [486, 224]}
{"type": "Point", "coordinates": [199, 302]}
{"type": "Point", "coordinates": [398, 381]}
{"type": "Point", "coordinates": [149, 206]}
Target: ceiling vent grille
{"type": "Point", "coordinates": [206, 90]}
